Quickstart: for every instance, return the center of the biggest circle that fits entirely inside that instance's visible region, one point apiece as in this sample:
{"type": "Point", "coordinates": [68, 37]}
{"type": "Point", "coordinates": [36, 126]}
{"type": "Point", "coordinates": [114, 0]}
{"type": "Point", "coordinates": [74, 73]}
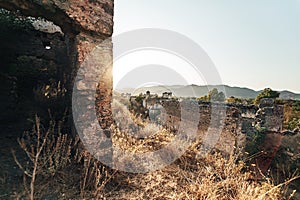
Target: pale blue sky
{"type": "Point", "coordinates": [253, 43]}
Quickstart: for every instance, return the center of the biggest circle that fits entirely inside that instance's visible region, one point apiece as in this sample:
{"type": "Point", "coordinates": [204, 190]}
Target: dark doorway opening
{"type": "Point", "coordinates": [34, 72]}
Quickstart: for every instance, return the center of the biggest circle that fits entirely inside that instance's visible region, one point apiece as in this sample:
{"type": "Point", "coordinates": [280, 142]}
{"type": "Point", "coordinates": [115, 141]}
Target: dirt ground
{"type": "Point", "coordinates": [11, 177]}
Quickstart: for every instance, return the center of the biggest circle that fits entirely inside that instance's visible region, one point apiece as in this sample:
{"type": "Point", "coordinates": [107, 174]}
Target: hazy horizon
{"type": "Point", "coordinates": [232, 86]}
{"type": "Point", "coordinates": [253, 44]}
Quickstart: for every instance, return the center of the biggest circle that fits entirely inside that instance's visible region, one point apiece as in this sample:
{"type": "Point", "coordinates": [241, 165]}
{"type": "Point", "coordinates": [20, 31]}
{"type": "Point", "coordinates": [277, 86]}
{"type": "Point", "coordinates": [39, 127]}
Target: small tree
{"type": "Point", "coordinates": [213, 95]}
{"type": "Point", "coordinates": [266, 93]}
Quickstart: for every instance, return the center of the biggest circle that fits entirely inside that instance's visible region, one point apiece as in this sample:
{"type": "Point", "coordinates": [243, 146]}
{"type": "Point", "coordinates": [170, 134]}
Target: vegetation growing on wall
{"type": "Point", "coordinates": [292, 115]}
{"type": "Point", "coordinates": [14, 22]}
{"type": "Point", "coordinates": [213, 95]}
{"type": "Point", "coordinates": [266, 93]}
{"type": "Point", "coordinates": [240, 100]}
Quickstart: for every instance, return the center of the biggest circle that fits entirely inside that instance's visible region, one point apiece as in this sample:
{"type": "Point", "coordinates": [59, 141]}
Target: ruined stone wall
{"type": "Point", "coordinates": [269, 120]}
{"type": "Point", "coordinates": [237, 122]}
{"type": "Point", "coordinates": [257, 127]}
{"type": "Point", "coordinates": [86, 24]}
{"type": "Point", "coordinates": [213, 118]}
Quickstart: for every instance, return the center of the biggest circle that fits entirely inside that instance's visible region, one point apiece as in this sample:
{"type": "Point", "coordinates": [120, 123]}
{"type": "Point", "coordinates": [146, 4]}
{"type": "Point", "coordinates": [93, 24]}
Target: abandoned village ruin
{"type": "Point", "coordinates": [55, 59]}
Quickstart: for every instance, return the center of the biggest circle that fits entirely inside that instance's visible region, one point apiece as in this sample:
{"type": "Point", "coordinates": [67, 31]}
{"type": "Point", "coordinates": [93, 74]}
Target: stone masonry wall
{"type": "Point", "coordinates": [229, 125]}
{"type": "Point", "coordinates": [88, 25]}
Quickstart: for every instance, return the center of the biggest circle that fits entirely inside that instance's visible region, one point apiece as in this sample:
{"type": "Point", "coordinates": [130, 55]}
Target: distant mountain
{"type": "Point", "coordinates": [198, 91]}
{"type": "Point", "coordinates": [289, 95]}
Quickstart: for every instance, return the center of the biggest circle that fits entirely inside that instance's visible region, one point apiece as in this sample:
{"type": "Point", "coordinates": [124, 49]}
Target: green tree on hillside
{"type": "Point", "coordinates": [213, 95]}
{"type": "Point", "coordinates": [266, 93]}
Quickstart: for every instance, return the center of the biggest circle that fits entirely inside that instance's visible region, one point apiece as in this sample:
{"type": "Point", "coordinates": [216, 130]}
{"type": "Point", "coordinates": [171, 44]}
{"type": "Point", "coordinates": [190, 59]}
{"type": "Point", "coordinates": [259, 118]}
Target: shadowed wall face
{"type": "Point", "coordinates": [86, 25]}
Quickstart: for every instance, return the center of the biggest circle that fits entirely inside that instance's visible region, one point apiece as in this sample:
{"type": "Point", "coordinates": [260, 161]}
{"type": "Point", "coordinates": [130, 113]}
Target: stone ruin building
{"type": "Point", "coordinates": [59, 53]}
{"type": "Point", "coordinates": [242, 125]}
{"type": "Point", "coordinates": [39, 63]}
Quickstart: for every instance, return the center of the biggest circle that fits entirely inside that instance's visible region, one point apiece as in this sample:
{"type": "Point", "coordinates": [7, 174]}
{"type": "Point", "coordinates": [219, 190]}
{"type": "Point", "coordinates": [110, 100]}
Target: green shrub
{"type": "Point", "coordinates": [213, 95]}
{"type": "Point", "coordinates": [266, 93]}
{"type": "Point", "coordinates": [13, 22]}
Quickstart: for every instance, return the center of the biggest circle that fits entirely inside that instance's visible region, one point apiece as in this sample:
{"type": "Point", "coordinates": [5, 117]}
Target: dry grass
{"type": "Point", "coordinates": [136, 135]}
{"type": "Point", "coordinates": [191, 176]}
{"type": "Point", "coordinates": [58, 166]}
{"type": "Point", "coordinates": [47, 151]}
{"type": "Point", "coordinates": [72, 173]}
{"type": "Point", "coordinates": [210, 177]}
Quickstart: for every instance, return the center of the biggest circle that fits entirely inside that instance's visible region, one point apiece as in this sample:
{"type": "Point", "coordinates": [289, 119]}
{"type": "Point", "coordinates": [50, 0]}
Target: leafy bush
{"type": "Point", "coordinates": [255, 142]}
{"type": "Point", "coordinates": [13, 22]}
{"type": "Point", "coordinates": [240, 100]}
{"type": "Point", "coordinates": [266, 93]}
{"type": "Point", "coordinates": [291, 115]}
{"type": "Point", "coordinates": [213, 95]}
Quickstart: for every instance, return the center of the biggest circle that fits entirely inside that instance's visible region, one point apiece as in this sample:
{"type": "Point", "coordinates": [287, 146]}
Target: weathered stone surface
{"type": "Point", "coordinates": [269, 117]}
{"type": "Point", "coordinates": [229, 134]}
{"type": "Point", "coordinates": [87, 26]}
{"type": "Point", "coordinates": [41, 76]}
{"type": "Point", "coordinates": [269, 122]}
{"type": "Point", "coordinates": [218, 123]}
{"type": "Point", "coordinates": [92, 16]}
{"type": "Point", "coordinates": [266, 102]}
